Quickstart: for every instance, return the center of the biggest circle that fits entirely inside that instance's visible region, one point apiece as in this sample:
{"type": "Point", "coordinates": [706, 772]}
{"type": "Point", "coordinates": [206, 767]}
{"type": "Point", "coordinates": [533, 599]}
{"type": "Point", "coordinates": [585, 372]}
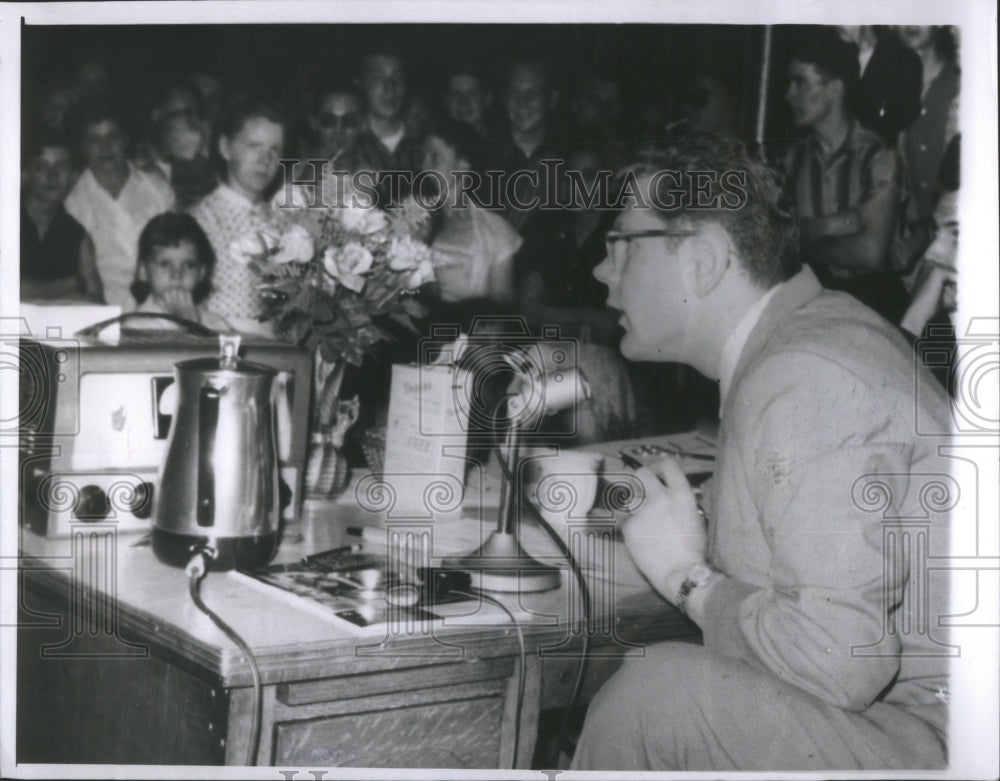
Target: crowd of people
{"type": "Point", "coordinates": [872, 171]}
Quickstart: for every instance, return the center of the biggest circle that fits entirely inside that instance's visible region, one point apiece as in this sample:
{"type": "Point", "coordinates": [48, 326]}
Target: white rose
{"type": "Point", "coordinates": [330, 261]}
{"type": "Point", "coordinates": [405, 254]}
{"type": "Point", "coordinates": [363, 221]}
{"type": "Point", "coordinates": [423, 274]}
{"type": "Point", "coordinates": [354, 259]}
{"type": "Point", "coordinates": [348, 265]}
{"type": "Point", "coordinates": [295, 245]}
{"type": "Point", "coordinates": [250, 247]}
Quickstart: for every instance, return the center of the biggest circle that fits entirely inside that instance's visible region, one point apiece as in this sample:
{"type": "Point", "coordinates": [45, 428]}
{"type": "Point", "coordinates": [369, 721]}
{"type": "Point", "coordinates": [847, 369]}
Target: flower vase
{"type": "Point", "coordinates": [327, 473]}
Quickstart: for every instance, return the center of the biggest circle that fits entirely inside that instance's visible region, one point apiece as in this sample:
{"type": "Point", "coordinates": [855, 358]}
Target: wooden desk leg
{"type": "Point", "coordinates": [241, 703]}
{"type": "Point", "coordinates": [530, 709]}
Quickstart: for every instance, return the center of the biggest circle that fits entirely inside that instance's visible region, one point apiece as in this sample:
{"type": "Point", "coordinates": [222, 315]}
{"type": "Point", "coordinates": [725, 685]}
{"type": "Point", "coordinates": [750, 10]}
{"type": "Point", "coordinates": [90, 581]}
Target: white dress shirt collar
{"type": "Point", "coordinates": [737, 340]}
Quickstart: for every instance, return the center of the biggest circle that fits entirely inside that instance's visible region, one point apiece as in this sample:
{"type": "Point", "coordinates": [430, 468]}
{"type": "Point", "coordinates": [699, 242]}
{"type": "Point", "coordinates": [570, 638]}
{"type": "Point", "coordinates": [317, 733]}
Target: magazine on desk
{"type": "Point", "coordinates": [360, 592]}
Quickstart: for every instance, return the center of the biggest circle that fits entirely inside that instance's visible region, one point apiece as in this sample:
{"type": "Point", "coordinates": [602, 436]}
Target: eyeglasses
{"type": "Point", "coordinates": [617, 242]}
{"type": "Point", "coordinates": [329, 121]}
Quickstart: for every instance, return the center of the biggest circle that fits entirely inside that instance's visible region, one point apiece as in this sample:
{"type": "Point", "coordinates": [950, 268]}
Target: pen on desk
{"type": "Point", "coordinates": [629, 461]}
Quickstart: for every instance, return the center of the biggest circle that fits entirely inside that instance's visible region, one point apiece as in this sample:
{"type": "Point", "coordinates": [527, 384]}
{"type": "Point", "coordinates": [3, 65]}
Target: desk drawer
{"type": "Point", "coordinates": [394, 681]}
{"type": "Point", "coordinates": [457, 733]}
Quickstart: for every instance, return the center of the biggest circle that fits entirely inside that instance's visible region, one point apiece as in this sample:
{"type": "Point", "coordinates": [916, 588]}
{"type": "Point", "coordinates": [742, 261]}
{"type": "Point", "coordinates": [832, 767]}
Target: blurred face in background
{"type": "Point", "coordinates": [252, 156]}
{"type": "Point", "coordinates": [93, 80]}
{"type": "Point", "coordinates": [104, 146]}
{"type": "Point", "coordinates": [440, 156]}
{"type": "Point", "coordinates": [707, 107]}
{"type": "Point", "coordinates": [212, 95]}
{"type": "Point", "coordinates": [916, 37]}
{"type": "Point", "coordinates": [528, 99]}
{"type": "Point", "coordinates": [182, 137]}
{"type": "Point", "coordinates": [50, 175]}
{"type": "Point", "coordinates": [337, 122]}
{"type": "Point", "coordinates": [385, 86]}
{"type": "Point", "coordinates": [849, 33]}
{"type": "Point", "coordinates": [178, 100]}
{"type": "Point", "coordinates": [811, 96]}
{"type": "Point", "coordinates": [57, 104]}
{"type": "Point", "coordinates": [466, 99]}
{"type": "Point", "coordinates": [600, 103]}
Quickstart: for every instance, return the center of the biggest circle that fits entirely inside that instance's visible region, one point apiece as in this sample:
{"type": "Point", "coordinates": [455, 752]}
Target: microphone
{"type": "Point", "coordinates": [501, 564]}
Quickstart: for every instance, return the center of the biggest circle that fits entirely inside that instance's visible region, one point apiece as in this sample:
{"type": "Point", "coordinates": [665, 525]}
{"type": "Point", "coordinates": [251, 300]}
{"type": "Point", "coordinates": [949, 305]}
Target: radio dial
{"type": "Point", "coordinates": [142, 504]}
{"type": "Point", "coordinates": [93, 504]}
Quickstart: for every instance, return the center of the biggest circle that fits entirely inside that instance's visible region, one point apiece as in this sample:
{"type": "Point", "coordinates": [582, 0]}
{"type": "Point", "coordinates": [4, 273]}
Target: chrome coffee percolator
{"type": "Point", "coordinates": [219, 481]}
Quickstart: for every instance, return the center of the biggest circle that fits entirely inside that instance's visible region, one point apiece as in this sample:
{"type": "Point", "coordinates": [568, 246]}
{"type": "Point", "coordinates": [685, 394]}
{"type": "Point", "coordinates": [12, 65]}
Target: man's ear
{"type": "Point", "coordinates": [141, 273]}
{"type": "Point", "coordinates": [224, 148]}
{"type": "Point", "coordinates": [712, 257]}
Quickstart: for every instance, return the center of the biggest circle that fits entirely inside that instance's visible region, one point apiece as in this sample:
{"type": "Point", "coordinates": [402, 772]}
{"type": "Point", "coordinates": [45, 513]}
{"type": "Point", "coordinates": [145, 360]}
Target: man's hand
{"type": "Point", "coordinates": [666, 535]}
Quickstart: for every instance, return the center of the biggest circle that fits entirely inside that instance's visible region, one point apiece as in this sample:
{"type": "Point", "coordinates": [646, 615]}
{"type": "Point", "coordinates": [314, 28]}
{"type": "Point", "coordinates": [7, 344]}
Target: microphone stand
{"type": "Point", "coordinates": [500, 563]}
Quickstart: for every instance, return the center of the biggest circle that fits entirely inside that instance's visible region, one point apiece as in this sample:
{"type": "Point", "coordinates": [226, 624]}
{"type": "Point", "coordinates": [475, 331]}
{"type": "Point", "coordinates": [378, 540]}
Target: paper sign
{"type": "Point", "coordinates": [425, 437]}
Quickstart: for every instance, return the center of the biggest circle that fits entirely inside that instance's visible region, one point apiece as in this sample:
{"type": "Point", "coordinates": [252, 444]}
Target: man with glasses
{"type": "Point", "coordinates": [336, 121]}
{"type": "Point", "coordinates": [819, 651]}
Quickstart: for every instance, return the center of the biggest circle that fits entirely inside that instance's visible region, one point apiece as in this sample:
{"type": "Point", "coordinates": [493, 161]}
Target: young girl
{"type": "Point", "coordinates": [174, 273]}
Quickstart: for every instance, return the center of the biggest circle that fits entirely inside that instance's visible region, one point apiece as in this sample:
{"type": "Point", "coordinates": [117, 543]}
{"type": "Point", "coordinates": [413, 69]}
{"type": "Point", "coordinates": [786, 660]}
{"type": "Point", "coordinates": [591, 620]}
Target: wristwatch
{"type": "Point", "coordinates": [699, 575]}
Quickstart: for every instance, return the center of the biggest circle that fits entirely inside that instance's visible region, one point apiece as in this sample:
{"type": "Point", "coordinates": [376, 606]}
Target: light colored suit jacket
{"type": "Point", "coordinates": [826, 504]}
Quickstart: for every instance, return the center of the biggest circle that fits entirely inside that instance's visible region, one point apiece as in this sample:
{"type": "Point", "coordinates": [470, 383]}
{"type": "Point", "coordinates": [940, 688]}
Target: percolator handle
{"type": "Point", "coordinates": [208, 423]}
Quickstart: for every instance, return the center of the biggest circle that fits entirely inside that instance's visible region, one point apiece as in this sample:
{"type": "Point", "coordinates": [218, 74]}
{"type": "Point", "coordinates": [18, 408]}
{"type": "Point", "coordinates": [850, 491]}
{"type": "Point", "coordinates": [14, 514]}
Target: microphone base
{"type": "Point", "coordinates": [501, 564]}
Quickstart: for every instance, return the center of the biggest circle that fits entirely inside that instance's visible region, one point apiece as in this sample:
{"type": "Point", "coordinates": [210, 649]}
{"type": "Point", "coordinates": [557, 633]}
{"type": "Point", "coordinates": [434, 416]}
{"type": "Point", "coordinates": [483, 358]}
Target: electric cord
{"type": "Point", "coordinates": [195, 571]}
{"type": "Point", "coordinates": [521, 672]}
{"type": "Point", "coordinates": [585, 603]}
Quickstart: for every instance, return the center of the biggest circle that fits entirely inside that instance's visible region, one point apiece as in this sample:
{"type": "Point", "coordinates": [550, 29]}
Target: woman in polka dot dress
{"type": "Point", "coordinates": [251, 143]}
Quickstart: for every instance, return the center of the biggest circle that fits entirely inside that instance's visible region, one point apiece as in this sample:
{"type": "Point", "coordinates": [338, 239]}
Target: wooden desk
{"type": "Point", "coordinates": [116, 665]}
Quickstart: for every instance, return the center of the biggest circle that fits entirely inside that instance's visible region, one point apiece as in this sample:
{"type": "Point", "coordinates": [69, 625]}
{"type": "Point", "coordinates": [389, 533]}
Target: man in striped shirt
{"type": "Point", "coordinates": [843, 180]}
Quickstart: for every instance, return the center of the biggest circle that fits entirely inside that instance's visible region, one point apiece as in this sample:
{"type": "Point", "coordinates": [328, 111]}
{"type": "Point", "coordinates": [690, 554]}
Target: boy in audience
{"type": "Point", "coordinates": [113, 200]}
{"type": "Point", "coordinates": [57, 255]}
{"type": "Point", "coordinates": [467, 98]}
{"type": "Point", "coordinates": [384, 142]}
{"type": "Point", "coordinates": [529, 99]}
{"type": "Point", "coordinates": [842, 178]}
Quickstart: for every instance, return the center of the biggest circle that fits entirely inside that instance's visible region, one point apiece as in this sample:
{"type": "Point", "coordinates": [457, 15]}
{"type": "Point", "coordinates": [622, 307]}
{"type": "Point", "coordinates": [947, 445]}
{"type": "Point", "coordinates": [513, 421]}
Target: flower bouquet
{"type": "Point", "coordinates": [332, 279]}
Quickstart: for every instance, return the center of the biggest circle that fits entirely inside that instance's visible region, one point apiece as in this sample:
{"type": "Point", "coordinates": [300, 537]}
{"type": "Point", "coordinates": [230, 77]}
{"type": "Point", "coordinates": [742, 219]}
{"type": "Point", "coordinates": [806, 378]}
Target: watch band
{"type": "Point", "coordinates": [699, 575]}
